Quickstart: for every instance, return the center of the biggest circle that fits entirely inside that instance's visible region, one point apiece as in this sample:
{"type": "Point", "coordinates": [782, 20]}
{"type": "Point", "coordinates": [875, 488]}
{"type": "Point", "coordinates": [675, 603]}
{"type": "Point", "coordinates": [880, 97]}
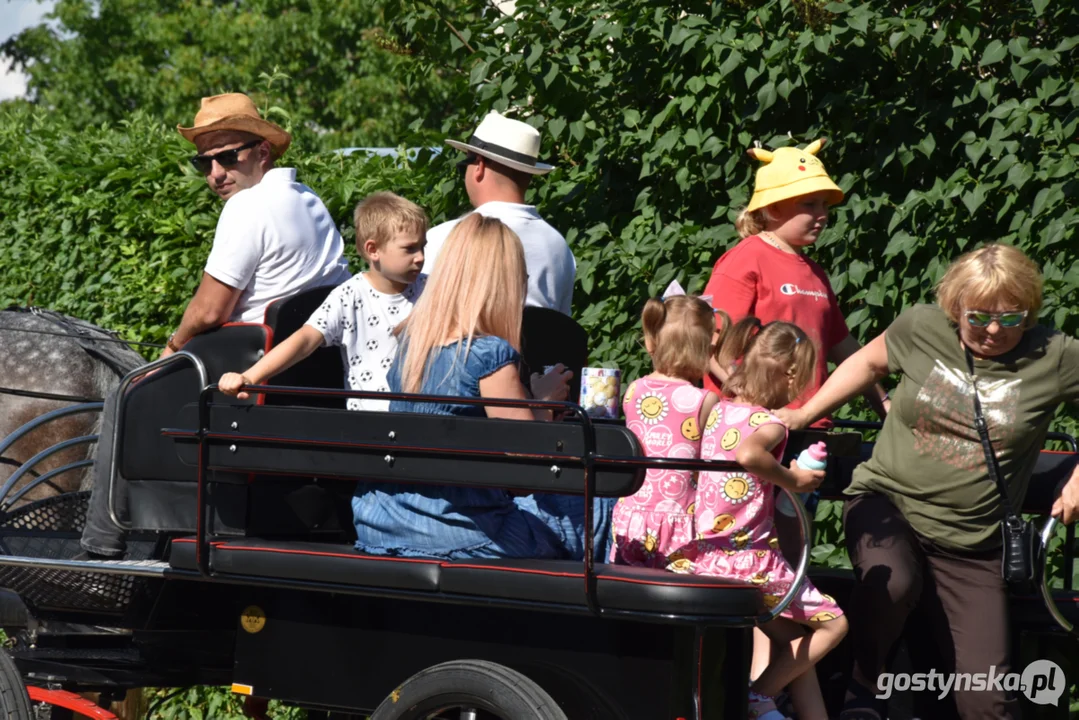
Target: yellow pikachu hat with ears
{"type": "Point", "coordinates": [789, 172]}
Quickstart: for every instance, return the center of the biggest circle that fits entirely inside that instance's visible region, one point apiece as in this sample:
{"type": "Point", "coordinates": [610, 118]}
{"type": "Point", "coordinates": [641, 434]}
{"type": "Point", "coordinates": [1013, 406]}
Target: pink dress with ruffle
{"type": "Point", "coordinates": [735, 519]}
{"type": "Point", "coordinates": [653, 524]}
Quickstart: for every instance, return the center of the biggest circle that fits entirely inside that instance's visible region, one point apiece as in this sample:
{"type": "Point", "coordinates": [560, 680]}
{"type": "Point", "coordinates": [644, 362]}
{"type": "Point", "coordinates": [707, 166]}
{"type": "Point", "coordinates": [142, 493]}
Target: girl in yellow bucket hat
{"type": "Point", "coordinates": [767, 275]}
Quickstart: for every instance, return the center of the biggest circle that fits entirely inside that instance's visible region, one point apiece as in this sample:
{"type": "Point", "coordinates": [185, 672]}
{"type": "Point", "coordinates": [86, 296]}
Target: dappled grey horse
{"type": "Point", "coordinates": [43, 352]}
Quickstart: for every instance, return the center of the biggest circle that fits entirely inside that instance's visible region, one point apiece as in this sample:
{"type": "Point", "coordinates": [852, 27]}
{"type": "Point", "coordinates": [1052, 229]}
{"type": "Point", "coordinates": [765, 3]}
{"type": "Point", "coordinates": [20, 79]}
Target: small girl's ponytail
{"type": "Point", "coordinates": [652, 318]}
{"type": "Point", "coordinates": [736, 341]}
{"type": "Point", "coordinates": [805, 363]}
{"type": "Point", "coordinates": [678, 335]}
{"type": "Point", "coordinates": [777, 362]}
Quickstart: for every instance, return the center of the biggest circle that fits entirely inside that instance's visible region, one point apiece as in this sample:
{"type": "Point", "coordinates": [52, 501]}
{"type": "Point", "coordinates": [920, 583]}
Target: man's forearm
{"type": "Point", "coordinates": [196, 320]}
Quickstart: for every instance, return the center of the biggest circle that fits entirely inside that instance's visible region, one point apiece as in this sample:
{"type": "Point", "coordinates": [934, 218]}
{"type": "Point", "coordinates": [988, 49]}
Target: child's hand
{"type": "Point", "coordinates": [806, 480]}
{"type": "Point", "coordinates": [552, 386]}
{"type": "Point", "coordinates": [230, 384]}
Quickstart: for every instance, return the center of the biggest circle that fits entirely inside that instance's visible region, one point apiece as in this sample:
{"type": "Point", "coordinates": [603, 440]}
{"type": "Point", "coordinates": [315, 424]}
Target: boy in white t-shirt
{"type": "Point", "coordinates": [359, 315]}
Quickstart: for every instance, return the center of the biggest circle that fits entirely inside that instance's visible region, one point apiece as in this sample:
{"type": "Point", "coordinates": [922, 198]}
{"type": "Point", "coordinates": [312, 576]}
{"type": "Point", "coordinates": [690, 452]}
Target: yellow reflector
{"type": "Point", "coordinates": [240, 689]}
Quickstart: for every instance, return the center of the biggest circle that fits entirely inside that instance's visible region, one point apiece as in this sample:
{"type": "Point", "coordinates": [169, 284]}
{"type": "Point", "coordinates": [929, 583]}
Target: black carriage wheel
{"type": "Point", "coordinates": [468, 690]}
{"type": "Point", "coordinates": [14, 702]}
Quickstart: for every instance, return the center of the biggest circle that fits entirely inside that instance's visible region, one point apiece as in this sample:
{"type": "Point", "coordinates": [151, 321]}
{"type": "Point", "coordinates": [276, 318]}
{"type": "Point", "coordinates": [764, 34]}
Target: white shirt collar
{"type": "Point", "coordinates": [498, 208]}
{"type": "Point", "coordinates": [280, 174]}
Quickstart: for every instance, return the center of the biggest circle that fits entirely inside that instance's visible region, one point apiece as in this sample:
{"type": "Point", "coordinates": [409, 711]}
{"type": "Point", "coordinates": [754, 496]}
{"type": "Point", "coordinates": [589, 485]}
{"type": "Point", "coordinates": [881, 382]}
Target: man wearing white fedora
{"type": "Point", "coordinates": [500, 162]}
{"type": "Point", "coordinates": [274, 238]}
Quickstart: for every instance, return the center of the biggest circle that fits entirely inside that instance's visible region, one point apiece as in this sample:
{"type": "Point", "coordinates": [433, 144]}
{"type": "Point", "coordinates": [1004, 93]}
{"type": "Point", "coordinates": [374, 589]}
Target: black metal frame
{"type": "Point", "coordinates": [588, 460]}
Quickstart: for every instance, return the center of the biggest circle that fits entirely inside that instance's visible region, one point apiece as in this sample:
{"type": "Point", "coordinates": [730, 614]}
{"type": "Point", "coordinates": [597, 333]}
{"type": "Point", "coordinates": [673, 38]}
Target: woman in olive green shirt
{"type": "Point", "coordinates": [923, 522]}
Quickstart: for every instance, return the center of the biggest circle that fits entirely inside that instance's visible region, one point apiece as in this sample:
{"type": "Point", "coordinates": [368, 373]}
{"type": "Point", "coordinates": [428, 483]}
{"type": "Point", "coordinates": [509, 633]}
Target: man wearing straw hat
{"type": "Point", "coordinates": [274, 238]}
{"type": "Point", "coordinates": [500, 161]}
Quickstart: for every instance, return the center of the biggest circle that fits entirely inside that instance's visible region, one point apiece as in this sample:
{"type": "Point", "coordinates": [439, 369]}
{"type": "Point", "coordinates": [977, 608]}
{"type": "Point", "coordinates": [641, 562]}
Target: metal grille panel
{"type": "Point", "coordinates": [51, 528]}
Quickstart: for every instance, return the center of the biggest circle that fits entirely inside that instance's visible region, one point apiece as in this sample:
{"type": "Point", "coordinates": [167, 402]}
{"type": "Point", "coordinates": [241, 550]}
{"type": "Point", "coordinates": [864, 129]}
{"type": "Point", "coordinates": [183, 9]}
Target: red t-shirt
{"type": "Point", "coordinates": [754, 278]}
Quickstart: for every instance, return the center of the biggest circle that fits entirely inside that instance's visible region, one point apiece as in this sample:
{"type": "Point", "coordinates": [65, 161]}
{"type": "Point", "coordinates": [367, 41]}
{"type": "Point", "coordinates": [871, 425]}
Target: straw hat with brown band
{"type": "Point", "coordinates": [236, 111]}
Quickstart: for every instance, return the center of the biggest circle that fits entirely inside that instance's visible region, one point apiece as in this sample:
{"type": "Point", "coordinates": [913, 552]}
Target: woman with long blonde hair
{"type": "Point", "coordinates": [463, 339]}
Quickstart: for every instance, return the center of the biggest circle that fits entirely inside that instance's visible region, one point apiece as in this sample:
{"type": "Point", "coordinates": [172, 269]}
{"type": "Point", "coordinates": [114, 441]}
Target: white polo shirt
{"type": "Point", "coordinates": [552, 269]}
{"type": "Point", "coordinates": [274, 240]}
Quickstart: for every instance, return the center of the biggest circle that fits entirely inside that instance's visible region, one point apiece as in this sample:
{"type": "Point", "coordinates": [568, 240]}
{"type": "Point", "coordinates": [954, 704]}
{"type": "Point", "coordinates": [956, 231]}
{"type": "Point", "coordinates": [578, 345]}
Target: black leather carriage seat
{"type": "Point", "coordinates": [324, 368]}
{"type": "Point", "coordinates": [550, 582]}
{"type": "Point", "coordinates": [160, 487]}
{"type": "Point", "coordinates": [549, 337]}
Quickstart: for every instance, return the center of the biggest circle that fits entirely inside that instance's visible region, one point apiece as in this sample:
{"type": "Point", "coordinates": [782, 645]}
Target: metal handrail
{"type": "Point", "coordinates": [589, 460]}
{"type": "Point", "coordinates": [803, 562]}
{"type": "Point", "coordinates": [1046, 592]}
{"type": "Point", "coordinates": [205, 507]}
{"type": "Point", "coordinates": [118, 425]}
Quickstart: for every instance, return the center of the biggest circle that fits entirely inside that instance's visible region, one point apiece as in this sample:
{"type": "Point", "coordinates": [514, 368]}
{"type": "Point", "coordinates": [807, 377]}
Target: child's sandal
{"type": "Point", "coordinates": [762, 707]}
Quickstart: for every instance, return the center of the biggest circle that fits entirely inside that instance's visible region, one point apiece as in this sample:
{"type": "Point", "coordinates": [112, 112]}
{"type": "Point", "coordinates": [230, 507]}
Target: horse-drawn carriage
{"type": "Point", "coordinates": [241, 570]}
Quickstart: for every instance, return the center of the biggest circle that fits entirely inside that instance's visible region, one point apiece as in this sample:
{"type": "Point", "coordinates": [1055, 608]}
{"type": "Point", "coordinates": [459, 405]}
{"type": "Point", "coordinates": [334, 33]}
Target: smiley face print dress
{"type": "Point", "coordinates": [734, 518]}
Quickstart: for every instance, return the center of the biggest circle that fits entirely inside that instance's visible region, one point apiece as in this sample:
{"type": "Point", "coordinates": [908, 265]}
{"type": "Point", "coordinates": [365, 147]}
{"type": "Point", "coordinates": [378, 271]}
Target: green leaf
{"type": "Point", "coordinates": [1039, 6]}
{"type": "Point", "coordinates": [1019, 175]}
{"type": "Point", "coordinates": [974, 198]}
{"type": "Point", "coordinates": [975, 150]}
{"type": "Point", "coordinates": [994, 53]}
{"type": "Point", "coordinates": [901, 242]}
{"type": "Point", "coordinates": [733, 60]}
{"type": "Point", "coordinates": [766, 96]}
{"type": "Point", "coordinates": [479, 73]}
{"type": "Point", "coordinates": [927, 145]}
{"type": "Point", "coordinates": [1039, 202]}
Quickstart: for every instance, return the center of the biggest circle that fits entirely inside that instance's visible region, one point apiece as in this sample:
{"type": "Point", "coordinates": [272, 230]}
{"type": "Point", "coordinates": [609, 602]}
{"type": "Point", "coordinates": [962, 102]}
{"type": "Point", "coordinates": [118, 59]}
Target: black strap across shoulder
{"type": "Point", "coordinates": [990, 458]}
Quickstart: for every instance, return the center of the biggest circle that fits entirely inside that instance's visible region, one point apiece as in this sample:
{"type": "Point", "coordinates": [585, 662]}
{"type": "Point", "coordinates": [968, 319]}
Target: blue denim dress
{"type": "Point", "coordinates": [452, 523]}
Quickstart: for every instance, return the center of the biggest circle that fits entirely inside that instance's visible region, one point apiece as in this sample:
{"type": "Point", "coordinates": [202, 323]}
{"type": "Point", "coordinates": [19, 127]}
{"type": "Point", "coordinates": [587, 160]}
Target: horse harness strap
{"type": "Point", "coordinates": [101, 348]}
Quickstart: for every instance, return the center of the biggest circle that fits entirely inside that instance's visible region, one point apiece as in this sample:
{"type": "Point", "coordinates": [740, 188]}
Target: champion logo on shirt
{"type": "Point", "coordinates": [792, 289]}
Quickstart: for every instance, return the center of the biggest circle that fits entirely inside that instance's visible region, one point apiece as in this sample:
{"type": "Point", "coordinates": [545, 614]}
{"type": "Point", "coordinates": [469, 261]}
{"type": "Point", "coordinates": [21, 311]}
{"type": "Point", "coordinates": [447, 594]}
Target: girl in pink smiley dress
{"type": "Point", "coordinates": [735, 519]}
{"type": "Point", "coordinates": [665, 411]}
{"type": "Point", "coordinates": [653, 525]}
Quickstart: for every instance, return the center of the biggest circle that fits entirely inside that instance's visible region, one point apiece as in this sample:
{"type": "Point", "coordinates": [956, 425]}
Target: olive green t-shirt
{"type": "Point", "coordinates": [929, 459]}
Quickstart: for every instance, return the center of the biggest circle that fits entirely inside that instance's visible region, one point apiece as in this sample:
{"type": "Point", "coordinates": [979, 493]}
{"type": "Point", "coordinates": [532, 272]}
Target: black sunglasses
{"type": "Point", "coordinates": [468, 160]}
{"type": "Point", "coordinates": [225, 158]}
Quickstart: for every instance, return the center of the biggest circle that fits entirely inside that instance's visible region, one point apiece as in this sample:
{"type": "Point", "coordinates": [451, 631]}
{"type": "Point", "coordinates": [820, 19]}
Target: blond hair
{"type": "Point", "coordinates": [679, 333]}
{"type": "Point", "coordinates": [984, 277]}
{"type": "Point", "coordinates": [772, 363]}
{"type": "Point", "coordinates": [477, 288]}
{"type": "Point", "coordinates": [382, 215]}
{"type": "Point", "coordinates": [753, 222]}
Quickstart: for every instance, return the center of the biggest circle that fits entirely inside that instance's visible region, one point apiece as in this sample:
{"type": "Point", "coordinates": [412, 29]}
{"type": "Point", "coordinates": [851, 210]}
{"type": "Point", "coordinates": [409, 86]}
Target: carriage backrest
{"type": "Point", "coordinates": [161, 470]}
{"type": "Point", "coordinates": [324, 368]}
{"type": "Point", "coordinates": [410, 448]}
{"type": "Point", "coordinates": [549, 337]}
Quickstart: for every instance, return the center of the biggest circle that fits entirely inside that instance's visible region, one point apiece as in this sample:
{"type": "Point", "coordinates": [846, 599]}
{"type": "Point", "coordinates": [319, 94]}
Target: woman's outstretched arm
{"type": "Point", "coordinates": [854, 376]}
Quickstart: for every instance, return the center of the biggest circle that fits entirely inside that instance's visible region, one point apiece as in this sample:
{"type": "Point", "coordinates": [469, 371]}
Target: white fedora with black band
{"type": "Point", "coordinates": [508, 142]}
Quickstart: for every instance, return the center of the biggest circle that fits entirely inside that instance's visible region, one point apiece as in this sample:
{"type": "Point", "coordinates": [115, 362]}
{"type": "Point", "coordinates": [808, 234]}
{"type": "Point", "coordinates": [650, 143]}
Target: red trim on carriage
{"type": "Point", "coordinates": [69, 701]}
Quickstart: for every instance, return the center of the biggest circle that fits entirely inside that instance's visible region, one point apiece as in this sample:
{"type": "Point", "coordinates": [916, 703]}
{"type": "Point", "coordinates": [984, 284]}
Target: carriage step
{"type": "Point", "coordinates": [143, 568]}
